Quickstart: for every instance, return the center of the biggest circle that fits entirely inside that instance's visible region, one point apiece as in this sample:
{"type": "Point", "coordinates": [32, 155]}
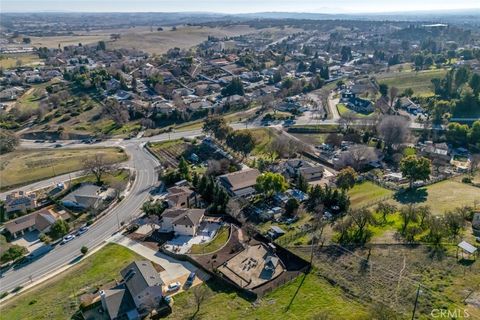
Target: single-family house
{"type": "Point", "coordinates": [85, 197]}
{"type": "Point", "coordinates": [296, 167]}
{"type": "Point", "coordinates": [179, 197]}
{"type": "Point", "coordinates": [437, 150]}
{"type": "Point", "coordinates": [40, 221]}
{"type": "Point", "coordinates": [20, 201]}
{"type": "Point", "coordinates": [181, 221]}
{"type": "Point", "coordinates": [240, 183]}
{"type": "Point", "coordinates": [139, 292]}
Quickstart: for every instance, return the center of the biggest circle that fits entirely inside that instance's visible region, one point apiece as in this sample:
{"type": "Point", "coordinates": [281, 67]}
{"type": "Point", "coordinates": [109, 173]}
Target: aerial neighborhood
{"type": "Point", "coordinates": [191, 165]}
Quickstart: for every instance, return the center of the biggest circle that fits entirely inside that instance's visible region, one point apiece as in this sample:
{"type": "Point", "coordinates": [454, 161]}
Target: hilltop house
{"type": "Point", "coordinates": [183, 222]}
{"type": "Point", "coordinates": [240, 183]}
{"type": "Point", "coordinates": [20, 201]}
{"type": "Point", "coordinates": [139, 292]}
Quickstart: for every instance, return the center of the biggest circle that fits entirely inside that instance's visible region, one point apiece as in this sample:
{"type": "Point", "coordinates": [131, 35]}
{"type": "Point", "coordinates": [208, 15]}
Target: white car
{"type": "Point", "coordinates": [173, 286]}
{"type": "Point", "coordinates": [68, 238]}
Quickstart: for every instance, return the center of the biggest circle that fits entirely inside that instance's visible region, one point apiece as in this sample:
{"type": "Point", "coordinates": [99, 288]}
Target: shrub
{"type": "Point", "coordinates": [3, 295]}
{"type": "Point", "coordinates": [17, 289]}
{"type": "Point", "coordinates": [467, 180]}
{"type": "Point", "coordinates": [84, 250]}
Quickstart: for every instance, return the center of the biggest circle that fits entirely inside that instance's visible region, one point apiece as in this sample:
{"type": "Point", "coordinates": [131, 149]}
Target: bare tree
{"type": "Point", "coordinates": [334, 139]}
{"type": "Point", "coordinates": [393, 95]}
{"type": "Point", "coordinates": [394, 130]}
{"type": "Point", "coordinates": [200, 295]}
{"type": "Point", "coordinates": [347, 120]}
{"type": "Point", "coordinates": [358, 156]}
{"type": "Point", "coordinates": [98, 166]}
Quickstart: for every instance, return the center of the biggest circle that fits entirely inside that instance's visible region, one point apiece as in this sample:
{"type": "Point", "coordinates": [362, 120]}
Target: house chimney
{"type": "Point", "coordinates": [104, 303]}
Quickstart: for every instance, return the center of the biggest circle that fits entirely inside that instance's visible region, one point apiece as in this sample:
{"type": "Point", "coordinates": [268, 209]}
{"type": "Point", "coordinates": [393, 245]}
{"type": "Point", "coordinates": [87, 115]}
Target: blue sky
{"type": "Point", "coordinates": [235, 6]}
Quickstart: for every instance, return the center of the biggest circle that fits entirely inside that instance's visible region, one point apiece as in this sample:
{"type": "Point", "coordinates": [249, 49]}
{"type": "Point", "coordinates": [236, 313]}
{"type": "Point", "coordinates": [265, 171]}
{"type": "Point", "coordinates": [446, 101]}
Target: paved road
{"type": "Point", "coordinates": [127, 209]}
{"type": "Point", "coordinates": [144, 164]}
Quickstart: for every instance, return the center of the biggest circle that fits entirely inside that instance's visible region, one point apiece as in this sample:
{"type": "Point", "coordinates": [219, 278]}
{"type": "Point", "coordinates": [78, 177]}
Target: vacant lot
{"type": "Point", "coordinates": [392, 275]}
{"type": "Point", "coordinates": [25, 166]}
{"type": "Point", "coordinates": [58, 298]}
{"type": "Point", "coordinates": [315, 297]}
{"type": "Point", "coordinates": [23, 59]}
{"type": "Point", "coordinates": [442, 196]}
{"type": "Point", "coordinates": [155, 42]}
{"type": "Point", "coordinates": [420, 81]}
{"type": "Point", "coordinates": [366, 193]}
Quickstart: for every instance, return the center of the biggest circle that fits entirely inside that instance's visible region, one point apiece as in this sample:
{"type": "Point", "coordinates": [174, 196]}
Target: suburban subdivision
{"type": "Point", "coordinates": [250, 164]}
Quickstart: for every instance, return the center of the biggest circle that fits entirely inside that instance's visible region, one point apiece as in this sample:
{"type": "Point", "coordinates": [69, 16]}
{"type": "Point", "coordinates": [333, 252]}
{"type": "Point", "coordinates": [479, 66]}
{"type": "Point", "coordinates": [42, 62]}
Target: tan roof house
{"type": "Point", "coordinates": [240, 183]}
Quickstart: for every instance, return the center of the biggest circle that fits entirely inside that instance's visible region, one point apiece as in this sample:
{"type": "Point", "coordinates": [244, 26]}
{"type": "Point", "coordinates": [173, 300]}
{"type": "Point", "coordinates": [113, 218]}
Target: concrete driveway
{"type": "Point", "coordinates": [175, 270]}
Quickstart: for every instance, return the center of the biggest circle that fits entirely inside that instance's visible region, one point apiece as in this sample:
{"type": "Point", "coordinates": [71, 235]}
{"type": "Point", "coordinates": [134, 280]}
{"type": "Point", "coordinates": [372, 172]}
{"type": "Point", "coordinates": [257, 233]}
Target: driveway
{"type": "Point", "coordinates": [174, 269]}
{"type": "Point", "coordinates": [29, 240]}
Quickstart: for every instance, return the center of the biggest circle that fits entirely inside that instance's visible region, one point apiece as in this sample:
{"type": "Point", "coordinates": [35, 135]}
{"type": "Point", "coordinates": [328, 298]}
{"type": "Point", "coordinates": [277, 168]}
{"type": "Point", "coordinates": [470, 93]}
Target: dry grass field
{"type": "Point", "coordinates": [25, 166]}
{"type": "Point", "coordinates": [156, 42]}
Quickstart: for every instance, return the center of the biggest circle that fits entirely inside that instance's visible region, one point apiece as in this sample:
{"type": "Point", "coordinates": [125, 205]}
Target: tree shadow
{"type": "Point", "coordinates": [296, 292]}
{"type": "Point", "coordinates": [466, 262]}
{"type": "Point", "coordinates": [412, 196]}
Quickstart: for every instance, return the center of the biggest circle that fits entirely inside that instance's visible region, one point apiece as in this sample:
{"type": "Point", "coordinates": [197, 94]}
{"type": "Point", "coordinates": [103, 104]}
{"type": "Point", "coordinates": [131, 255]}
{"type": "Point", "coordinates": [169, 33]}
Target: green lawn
{"type": "Point", "coordinates": [343, 109]}
{"type": "Point", "coordinates": [315, 297]}
{"type": "Point", "coordinates": [263, 138]}
{"type": "Point", "coordinates": [367, 192]}
{"type": "Point", "coordinates": [25, 166]}
{"type": "Point", "coordinates": [443, 196]}
{"type": "Point", "coordinates": [220, 239]}
{"type": "Point", "coordinates": [118, 178]}
{"type": "Point", "coordinates": [58, 298]}
{"type": "Point", "coordinates": [420, 81]}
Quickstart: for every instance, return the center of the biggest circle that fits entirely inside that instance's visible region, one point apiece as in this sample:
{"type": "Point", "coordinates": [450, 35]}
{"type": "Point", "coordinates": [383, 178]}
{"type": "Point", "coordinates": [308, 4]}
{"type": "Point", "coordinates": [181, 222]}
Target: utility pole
{"type": "Point", "coordinates": [416, 302]}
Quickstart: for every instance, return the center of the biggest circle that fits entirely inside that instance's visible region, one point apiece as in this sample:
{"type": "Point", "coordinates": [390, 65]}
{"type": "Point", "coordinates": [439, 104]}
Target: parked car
{"type": "Point", "coordinates": [174, 286]}
{"type": "Point", "coordinates": [68, 238]}
{"type": "Point", "coordinates": [82, 230]}
{"type": "Point", "coordinates": [190, 279]}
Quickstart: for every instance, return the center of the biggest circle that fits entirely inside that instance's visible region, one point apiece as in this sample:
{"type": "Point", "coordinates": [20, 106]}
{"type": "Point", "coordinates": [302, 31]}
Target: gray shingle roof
{"type": "Point", "coordinates": [140, 275]}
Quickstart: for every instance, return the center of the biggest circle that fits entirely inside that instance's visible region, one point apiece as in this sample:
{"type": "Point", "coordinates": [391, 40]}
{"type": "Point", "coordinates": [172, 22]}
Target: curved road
{"type": "Point", "coordinates": [146, 177]}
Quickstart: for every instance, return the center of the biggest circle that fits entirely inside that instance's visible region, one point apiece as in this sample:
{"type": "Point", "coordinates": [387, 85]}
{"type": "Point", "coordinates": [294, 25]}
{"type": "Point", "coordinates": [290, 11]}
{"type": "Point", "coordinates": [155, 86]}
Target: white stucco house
{"type": "Point", "coordinates": [182, 221]}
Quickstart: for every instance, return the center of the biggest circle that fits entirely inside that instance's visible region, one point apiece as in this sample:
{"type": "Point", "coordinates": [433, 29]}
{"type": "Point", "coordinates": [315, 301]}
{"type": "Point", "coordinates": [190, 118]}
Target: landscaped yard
{"type": "Point", "coordinates": [58, 298]}
{"type": "Point", "coordinates": [420, 81]}
{"type": "Point", "coordinates": [343, 109]}
{"type": "Point", "coordinates": [315, 297]}
{"type": "Point", "coordinates": [220, 239]}
{"type": "Point", "coordinates": [25, 166]}
{"type": "Point", "coordinates": [367, 193]}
